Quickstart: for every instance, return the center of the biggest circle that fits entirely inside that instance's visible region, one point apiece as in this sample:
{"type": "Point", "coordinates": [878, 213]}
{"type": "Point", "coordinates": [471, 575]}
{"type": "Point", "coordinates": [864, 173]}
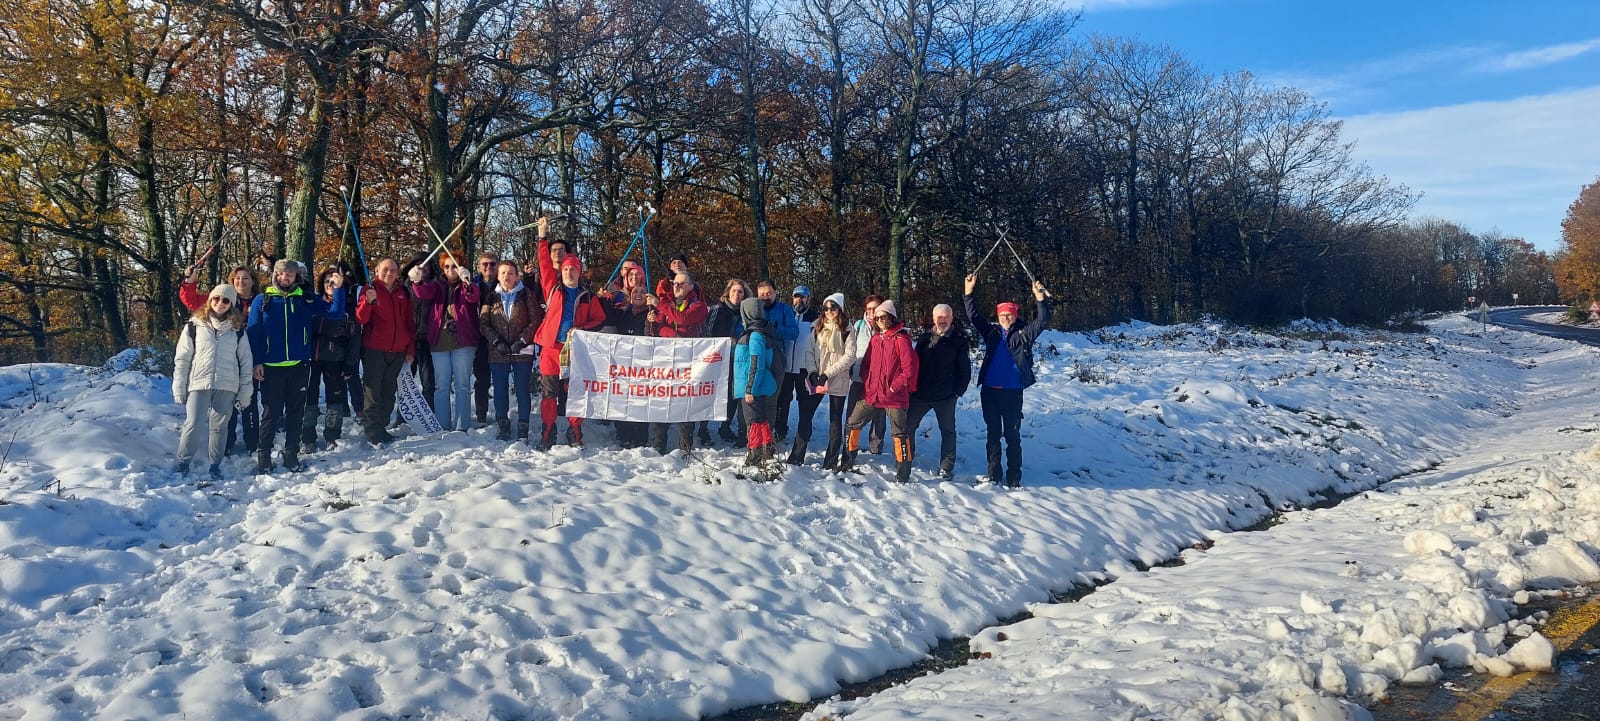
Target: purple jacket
{"type": "Point", "coordinates": [436, 293]}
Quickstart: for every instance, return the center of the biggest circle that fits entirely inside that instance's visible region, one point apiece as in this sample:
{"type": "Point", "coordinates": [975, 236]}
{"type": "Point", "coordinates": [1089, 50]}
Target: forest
{"type": "Point", "coordinates": [859, 146]}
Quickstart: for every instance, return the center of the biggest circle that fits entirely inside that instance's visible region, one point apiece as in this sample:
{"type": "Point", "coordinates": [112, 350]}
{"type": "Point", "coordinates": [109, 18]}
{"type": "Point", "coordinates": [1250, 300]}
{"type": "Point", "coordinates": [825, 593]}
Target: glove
{"type": "Point", "coordinates": [415, 274]}
{"type": "Point", "coordinates": [502, 347]}
{"type": "Point", "coordinates": [517, 347]}
{"type": "Point", "coordinates": [180, 400]}
{"type": "Point", "coordinates": [818, 379]}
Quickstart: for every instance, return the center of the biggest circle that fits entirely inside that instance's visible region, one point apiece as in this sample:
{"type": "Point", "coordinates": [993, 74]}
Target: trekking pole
{"type": "Point", "coordinates": [645, 241]}
{"type": "Point", "coordinates": [355, 230]}
{"type": "Point", "coordinates": [442, 241]}
{"type": "Point", "coordinates": [637, 237]}
{"type": "Point", "coordinates": [1018, 256]}
{"type": "Point", "coordinates": [986, 258]}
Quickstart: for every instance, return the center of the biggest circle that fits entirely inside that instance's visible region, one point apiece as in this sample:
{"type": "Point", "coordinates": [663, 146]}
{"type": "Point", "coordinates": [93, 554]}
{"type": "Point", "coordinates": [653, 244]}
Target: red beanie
{"type": "Point", "coordinates": [572, 260]}
{"type": "Point", "coordinates": [1007, 307]}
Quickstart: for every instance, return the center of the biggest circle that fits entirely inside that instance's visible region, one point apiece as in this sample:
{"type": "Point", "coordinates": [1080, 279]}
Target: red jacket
{"type": "Point", "coordinates": [687, 322]}
{"type": "Point", "coordinates": [589, 315]}
{"type": "Point", "coordinates": [189, 294]}
{"type": "Point", "coordinates": [387, 323]}
{"type": "Point", "coordinates": [890, 369]}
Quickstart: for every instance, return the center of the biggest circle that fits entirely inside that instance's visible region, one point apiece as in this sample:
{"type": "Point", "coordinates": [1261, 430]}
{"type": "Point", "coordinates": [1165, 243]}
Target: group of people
{"type": "Point", "coordinates": [242, 351]}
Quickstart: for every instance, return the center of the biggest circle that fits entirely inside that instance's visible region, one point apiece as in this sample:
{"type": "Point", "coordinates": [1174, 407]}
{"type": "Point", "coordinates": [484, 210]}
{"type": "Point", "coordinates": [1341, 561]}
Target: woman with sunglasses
{"type": "Point", "coordinates": [450, 304]}
{"type": "Point", "coordinates": [831, 354]}
{"type": "Point", "coordinates": [211, 376]}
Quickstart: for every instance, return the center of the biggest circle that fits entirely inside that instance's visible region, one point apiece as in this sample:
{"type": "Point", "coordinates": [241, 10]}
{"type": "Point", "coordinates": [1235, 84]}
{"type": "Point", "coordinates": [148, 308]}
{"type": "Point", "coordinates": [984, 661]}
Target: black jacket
{"type": "Point", "coordinates": [944, 366]}
{"type": "Point", "coordinates": [1020, 341]}
{"type": "Point", "coordinates": [722, 322]}
{"type": "Point", "coordinates": [338, 341]}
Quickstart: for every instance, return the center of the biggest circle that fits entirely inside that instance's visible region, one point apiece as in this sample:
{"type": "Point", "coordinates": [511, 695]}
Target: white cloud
{"type": "Point", "coordinates": [1548, 55]}
{"type": "Point", "coordinates": [1514, 165]}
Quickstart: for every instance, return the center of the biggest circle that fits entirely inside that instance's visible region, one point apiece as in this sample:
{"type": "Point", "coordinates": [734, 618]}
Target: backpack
{"type": "Point", "coordinates": [778, 365]}
{"type": "Point", "coordinates": [188, 330]}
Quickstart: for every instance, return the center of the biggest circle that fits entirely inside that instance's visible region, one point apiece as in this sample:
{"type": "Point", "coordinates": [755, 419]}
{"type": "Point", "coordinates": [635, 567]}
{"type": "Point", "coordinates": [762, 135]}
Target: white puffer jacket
{"type": "Point", "coordinates": [212, 356]}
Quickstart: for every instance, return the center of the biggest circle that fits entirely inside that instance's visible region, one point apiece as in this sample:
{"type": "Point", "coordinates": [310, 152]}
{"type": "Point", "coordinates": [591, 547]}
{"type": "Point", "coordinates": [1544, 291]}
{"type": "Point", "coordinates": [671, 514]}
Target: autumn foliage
{"type": "Point", "coordinates": [860, 146]}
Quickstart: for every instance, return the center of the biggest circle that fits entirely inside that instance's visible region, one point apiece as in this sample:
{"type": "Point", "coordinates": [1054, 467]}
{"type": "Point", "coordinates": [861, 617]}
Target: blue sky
{"type": "Point", "coordinates": [1490, 109]}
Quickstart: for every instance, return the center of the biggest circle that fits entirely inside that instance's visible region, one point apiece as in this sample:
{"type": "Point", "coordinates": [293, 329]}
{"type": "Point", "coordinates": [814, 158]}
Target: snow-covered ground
{"type": "Point", "coordinates": [455, 578]}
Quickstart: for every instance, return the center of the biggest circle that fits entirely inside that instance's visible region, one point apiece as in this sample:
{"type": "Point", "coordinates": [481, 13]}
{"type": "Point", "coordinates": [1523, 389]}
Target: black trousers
{"type": "Point", "coordinates": [945, 412]}
{"type": "Point", "coordinates": [793, 384]}
{"type": "Point", "coordinates": [283, 403]}
{"type": "Point", "coordinates": [380, 376]}
{"type": "Point", "coordinates": [329, 375]}
{"type": "Point", "coordinates": [249, 419]}
{"type": "Point", "coordinates": [481, 380]}
{"type": "Point", "coordinates": [1002, 413]}
{"type": "Point", "coordinates": [836, 408]}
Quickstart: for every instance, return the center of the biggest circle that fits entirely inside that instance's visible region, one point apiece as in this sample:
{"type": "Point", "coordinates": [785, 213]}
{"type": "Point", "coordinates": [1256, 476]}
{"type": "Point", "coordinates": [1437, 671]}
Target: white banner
{"type": "Point", "coordinates": [413, 404]}
{"type": "Point", "coordinates": [655, 380]}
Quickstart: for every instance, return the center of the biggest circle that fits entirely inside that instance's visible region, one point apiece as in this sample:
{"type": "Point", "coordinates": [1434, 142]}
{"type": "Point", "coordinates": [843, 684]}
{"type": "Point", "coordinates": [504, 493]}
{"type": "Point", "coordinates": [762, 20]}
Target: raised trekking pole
{"type": "Point", "coordinates": [645, 241]}
{"type": "Point", "coordinates": [355, 228]}
{"type": "Point", "coordinates": [442, 241]}
{"type": "Point", "coordinates": [1018, 256]}
{"type": "Point", "coordinates": [638, 236]}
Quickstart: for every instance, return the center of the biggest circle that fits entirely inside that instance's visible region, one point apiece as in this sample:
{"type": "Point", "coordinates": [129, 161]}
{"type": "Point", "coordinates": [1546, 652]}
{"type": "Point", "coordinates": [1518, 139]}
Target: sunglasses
{"type": "Point", "coordinates": [831, 309]}
{"type": "Point", "coordinates": [883, 318]}
{"type": "Point", "coordinates": [220, 299]}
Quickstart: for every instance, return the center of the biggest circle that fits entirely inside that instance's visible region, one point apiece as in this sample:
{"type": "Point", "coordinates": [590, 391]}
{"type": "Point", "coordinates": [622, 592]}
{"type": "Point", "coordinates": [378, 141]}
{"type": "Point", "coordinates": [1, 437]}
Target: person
{"type": "Point", "coordinates": [1006, 372]}
{"type": "Point", "coordinates": [861, 333]}
{"type": "Point", "coordinates": [753, 380]}
{"type": "Point", "coordinates": [627, 313]}
{"type": "Point", "coordinates": [450, 326]}
{"type": "Point", "coordinates": [676, 264]}
{"type": "Point", "coordinates": [334, 360]}
{"type": "Point", "coordinates": [508, 324]}
{"type": "Point", "coordinates": [683, 315]}
{"type": "Point", "coordinates": [830, 356]}
{"type": "Point", "coordinates": [793, 385]}
{"type": "Point", "coordinates": [488, 263]}
{"type": "Point", "coordinates": [783, 323]}
{"type": "Point", "coordinates": [280, 344]}
{"type": "Point", "coordinates": [889, 373]}
{"type": "Point", "coordinates": [422, 352]}
{"type": "Point", "coordinates": [243, 423]}
{"type": "Point", "coordinates": [211, 376]}
{"type": "Point", "coordinates": [388, 341]}
{"type": "Point", "coordinates": [567, 306]}
{"type": "Point", "coordinates": [944, 369]}
{"type": "Point", "coordinates": [723, 321]}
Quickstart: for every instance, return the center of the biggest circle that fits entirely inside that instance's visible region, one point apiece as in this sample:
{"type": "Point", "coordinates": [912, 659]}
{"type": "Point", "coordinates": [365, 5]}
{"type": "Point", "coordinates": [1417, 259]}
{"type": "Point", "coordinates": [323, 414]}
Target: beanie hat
{"type": "Point", "coordinates": [1007, 307]}
{"type": "Point", "coordinates": [837, 298]}
{"type": "Point", "coordinates": [677, 258]}
{"type": "Point", "coordinates": [572, 260]}
{"type": "Point", "coordinates": [225, 291]}
{"type": "Point", "coordinates": [887, 308]}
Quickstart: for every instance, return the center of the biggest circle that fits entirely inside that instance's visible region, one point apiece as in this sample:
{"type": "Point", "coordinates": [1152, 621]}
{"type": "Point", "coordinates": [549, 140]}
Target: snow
{"type": "Point", "coordinates": [457, 578]}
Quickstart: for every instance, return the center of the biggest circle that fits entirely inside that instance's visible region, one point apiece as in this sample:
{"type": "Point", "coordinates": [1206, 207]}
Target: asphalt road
{"type": "Point", "coordinates": [1572, 692]}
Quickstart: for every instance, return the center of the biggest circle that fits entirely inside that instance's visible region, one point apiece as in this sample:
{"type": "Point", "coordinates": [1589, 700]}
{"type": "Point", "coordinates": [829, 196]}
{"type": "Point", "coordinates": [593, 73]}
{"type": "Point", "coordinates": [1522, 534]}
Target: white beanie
{"type": "Point", "coordinates": [887, 308]}
{"type": "Point", "coordinates": [226, 291]}
{"type": "Point", "coordinates": [837, 298]}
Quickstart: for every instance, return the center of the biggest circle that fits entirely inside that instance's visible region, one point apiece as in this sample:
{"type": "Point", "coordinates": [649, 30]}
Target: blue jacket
{"type": "Point", "coordinates": [783, 323]}
{"type": "Point", "coordinates": [753, 377]}
{"type": "Point", "coordinates": [1019, 342]}
{"type": "Point", "coordinates": [281, 324]}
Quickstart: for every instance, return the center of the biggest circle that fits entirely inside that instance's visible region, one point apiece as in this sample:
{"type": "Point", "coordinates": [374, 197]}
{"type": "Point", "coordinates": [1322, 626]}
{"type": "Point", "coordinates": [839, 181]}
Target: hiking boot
{"type": "Point", "coordinates": [504, 424]}
{"type": "Point", "coordinates": [797, 456]}
{"type": "Point", "coordinates": [291, 462]}
{"type": "Point", "coordinates": [726, 434]}
{"type": "Point", "coordinates": [753, 458]}
{"type": "Point", "coordinates": [215, 472]}
{"type": "Point", "coordinates": [575, 435]}
{"type": "Point", "coordinates": [182, 468]}
{"type": "Point", "coordinates": [547, 438]}
{"type": "Point", "coordinates": [263, 462]}
{"type": "Point", "coordinates": [704, 438]}
{"type": "Point", "coordinates": [847, 462]}
{"type": "Point", "coordinates": [522, 430]}
{"type": "Point", "coordinates": [307, 448]}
